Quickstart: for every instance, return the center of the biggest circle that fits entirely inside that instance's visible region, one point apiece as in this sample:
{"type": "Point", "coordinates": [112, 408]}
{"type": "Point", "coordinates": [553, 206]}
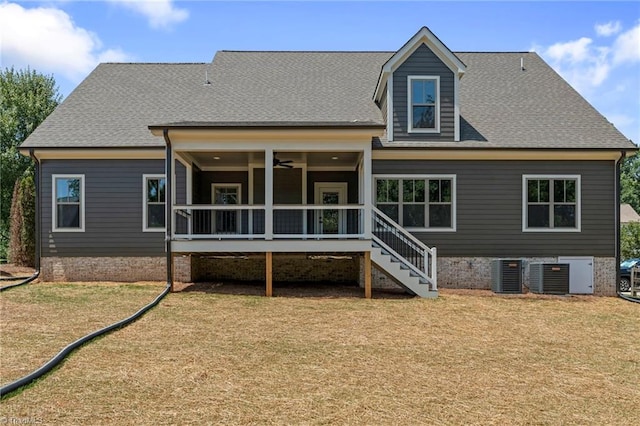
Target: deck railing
{"type": "Point", "coordinates": [249, 222]}
{"type": "Point", "coordinates": [404, 246]}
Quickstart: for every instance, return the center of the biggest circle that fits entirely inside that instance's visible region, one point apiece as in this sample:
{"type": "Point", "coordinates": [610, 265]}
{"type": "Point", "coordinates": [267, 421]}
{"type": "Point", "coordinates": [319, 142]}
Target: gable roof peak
{"type": "Point", "coordinates": [426, 37]}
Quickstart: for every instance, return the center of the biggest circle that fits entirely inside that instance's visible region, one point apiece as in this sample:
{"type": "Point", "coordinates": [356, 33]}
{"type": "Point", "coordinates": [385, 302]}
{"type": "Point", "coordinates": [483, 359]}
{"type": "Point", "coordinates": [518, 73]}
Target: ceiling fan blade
{"type": "Point", "coordinates": [281, 163]}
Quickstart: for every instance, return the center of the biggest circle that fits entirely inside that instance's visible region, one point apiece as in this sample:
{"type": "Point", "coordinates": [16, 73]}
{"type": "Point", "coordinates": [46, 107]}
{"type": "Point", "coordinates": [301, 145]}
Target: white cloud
{"type": "Point", "coordinates": [608, 29]}
{"type": "Point", "coordinates": [573, 51]}
{"type": "Point", "coordinates": [580, 62]}
{"type": "Point", "coordinates": [160, 13]}
{"type": "Point", "coordinates": [604, 71]}
{"type": "Point", "coordinates": [47, 39]}
{"type": "Point", "coordinates": [585, 64]}
{"type": "Point", "coordinates": [626, 48]}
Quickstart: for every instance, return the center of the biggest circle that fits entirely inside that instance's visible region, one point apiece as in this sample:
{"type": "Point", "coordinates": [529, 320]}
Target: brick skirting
{"type": "Point", "coordinates": [475, 273]}
{"type": "Point", "coordinates": [453, 272]}
{"type": "Point", "coordinates": [123, 269]}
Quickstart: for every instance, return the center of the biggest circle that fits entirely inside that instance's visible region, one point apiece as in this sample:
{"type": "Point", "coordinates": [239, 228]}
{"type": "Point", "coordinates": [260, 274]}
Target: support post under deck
{"type": "Point", "coordinates": [269, 273]}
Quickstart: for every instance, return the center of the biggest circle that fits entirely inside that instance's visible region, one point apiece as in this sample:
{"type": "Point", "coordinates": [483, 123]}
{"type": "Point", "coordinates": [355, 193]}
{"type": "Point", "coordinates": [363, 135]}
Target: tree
{"type": "Point", "coordinates": [26, 99]}
{"type": "Point", "coordinates": [23, 222]}
{"type": "Point", "coordinates": [630, 182]}
{"type": "Point", "coordinates": [630, 240]}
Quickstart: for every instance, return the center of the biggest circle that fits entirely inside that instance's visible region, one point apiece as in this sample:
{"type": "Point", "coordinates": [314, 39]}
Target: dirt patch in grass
{"type": "Point", "coordinates": [464, 358]}
{"type": "Point", "coordinates": [9, 270]}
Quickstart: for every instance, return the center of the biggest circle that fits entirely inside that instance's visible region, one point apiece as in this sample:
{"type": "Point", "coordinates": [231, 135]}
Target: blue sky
{"type": "Point", "coordinates": [593, 45]}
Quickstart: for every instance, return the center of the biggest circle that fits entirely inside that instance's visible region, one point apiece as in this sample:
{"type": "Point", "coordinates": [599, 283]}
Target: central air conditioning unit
{"type": "Point", "coordinates": [549, 278]}
{"type": "Point", "coordinates": [506, 275]}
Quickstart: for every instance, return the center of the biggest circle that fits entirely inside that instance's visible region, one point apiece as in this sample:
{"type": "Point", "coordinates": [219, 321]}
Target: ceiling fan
{"type": "Point", "coordinates": [281, 163]}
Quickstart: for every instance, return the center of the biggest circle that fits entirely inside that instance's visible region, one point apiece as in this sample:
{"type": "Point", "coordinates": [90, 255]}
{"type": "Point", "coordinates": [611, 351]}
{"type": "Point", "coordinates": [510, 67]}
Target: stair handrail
{"type": "Point", "coordinates": [427, 252]}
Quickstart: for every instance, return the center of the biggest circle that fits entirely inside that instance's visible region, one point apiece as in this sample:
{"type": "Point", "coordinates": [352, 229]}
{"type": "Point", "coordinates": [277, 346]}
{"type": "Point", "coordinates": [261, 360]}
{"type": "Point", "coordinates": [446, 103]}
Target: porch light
{"type": "Point", "coordinates": [334, 158]}
{"type": "Point", "coordinates": [216, 158]}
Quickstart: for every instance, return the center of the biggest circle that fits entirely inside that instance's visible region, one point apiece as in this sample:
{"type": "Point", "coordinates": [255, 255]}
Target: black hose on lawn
{"type": "Point", "coordinates": [28, 280]}
{"type": "Point", "coordinates": [53, 362]}
{"type": "Point", "coordinates": [628, 298]}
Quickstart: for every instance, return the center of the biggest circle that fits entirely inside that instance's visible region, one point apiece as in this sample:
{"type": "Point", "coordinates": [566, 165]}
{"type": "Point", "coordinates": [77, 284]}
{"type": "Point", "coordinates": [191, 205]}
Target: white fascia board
{"type": "Point", "coordinates": [261, 135]}
{"type": "Point", "coordinates": [336, 145]}
{"type": "Point", "coordinates": [493, 154]}
{"type": "Point", "coordinates": [98, 154]}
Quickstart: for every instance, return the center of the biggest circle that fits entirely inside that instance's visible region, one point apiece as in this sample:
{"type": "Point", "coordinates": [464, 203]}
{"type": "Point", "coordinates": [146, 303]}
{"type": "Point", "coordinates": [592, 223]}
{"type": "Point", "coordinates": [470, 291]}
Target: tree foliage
{"type": "Point", "coordinates": [630, 240]}
{"type": "Point", "coordinates": [23, 222]}
{"type": "Point", "coordinates": [630, 182]}
{"type": "Point", "coordinates": [26, 99]}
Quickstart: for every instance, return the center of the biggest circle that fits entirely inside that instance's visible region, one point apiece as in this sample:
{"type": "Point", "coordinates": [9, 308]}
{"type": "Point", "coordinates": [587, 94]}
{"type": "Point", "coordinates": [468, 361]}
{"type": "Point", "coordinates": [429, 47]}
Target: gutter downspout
{"type": "Point", "coordinates": [617, 208]}
{"type": "Point", "coordinates": [36, 179]}
{"type": "Point", "coordinates": [168, 202]}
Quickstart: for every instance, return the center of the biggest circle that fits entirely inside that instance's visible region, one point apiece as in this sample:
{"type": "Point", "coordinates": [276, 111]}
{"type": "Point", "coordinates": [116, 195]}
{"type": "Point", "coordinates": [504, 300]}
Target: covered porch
{"type": "Point", "coordinates": [268, 192]}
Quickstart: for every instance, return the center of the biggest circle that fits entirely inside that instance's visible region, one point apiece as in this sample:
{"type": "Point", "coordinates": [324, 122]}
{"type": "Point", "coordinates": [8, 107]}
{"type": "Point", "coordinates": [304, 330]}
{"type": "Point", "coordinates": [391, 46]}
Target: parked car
{"type": "Point", "coordinates": [625, 273]}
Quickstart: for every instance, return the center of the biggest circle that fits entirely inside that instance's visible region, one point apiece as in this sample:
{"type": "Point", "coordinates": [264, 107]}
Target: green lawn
{"type": "Point", "coordinates": [467, 357]}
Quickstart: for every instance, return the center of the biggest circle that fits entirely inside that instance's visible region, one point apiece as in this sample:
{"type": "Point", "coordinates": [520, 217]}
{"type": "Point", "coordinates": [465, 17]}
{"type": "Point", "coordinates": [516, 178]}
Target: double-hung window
{"type": "Point", "coordinates": [551, 203]}
{"type": "Point", "coordinates": [424, 104]}
{"type": "Point", "coordinates": [418, 202]}
{"type": "Point", "coordinates": [153, 187]}
{"type": "Point", "coordinates": [68, 203]}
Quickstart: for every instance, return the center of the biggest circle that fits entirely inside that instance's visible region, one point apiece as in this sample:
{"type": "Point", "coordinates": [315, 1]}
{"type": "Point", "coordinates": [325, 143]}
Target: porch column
{"type": "Point", "coordinates": [367, 186]}
{"type": "Point", "coordinates": [367, 275]}
{"type": "Point", "coordinates": [269, 273]}
{"type": "Point", "coordinates": [268, 194]}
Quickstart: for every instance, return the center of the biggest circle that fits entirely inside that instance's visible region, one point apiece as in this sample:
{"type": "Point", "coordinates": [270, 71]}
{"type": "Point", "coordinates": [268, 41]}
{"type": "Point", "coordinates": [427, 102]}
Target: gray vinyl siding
{"type": "Point", "coordinates": [423, 62]}
{"type": "Point", "coordinates": [489, 208]}
{"type": "Point", "coordinates": [113, 209]}
{"type": "Point", "coordinates": [181, 183]}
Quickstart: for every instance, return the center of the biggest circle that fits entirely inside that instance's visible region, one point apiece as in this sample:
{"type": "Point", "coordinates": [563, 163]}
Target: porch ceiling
{"type": "Point", "coordinates": [226, 159]}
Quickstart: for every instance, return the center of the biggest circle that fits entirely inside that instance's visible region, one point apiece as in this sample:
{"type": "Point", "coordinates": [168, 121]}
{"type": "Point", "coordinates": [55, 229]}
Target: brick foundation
{"type": "Point", "coordinates": [453, 272]}
{"type": "Point", "coordinates": [126, 269]}
{"type": "Point", "coordinates": [475, 273]}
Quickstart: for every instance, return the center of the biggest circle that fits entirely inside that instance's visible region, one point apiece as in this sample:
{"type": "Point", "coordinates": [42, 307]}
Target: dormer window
{"type": "Point", "coordinates": [424, 104]}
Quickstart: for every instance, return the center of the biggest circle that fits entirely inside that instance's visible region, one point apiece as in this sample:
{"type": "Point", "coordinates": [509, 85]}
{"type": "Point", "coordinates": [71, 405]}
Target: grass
{"type": "Point", "coordinates": [465, 358]}
{"type": "Point", "coordinates": [37, 321]}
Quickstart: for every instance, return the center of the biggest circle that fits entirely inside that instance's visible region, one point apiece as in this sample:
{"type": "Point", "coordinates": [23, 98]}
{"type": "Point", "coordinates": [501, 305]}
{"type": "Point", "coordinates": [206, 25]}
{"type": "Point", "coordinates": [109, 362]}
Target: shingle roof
{"type": "Point", "coordinates": [501, 105]}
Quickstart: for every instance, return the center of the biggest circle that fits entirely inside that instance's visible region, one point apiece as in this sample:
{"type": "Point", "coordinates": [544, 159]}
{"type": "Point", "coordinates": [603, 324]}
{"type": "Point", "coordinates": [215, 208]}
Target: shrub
{"type": "Point", "coordinates": [23, 223]}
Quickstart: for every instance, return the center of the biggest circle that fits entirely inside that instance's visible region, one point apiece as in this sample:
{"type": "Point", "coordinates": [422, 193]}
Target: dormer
{"type": "Point", "coordinates": [418, 91]}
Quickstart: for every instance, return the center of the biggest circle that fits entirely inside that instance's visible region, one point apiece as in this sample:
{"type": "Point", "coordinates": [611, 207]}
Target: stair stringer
{"type": "Point", "coordinates": [402, 276]}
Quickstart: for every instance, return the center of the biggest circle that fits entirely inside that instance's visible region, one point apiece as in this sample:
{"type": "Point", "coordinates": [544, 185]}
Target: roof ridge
{"type": "Point", "coordinates": [305, 51]}
{"type": "Point", "coordinates": [155, 63]}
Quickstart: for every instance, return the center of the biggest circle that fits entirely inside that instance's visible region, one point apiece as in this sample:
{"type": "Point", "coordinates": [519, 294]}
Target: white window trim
{"type": "Point", "coordinates": [145, 227]}
{"type": "Point", "coordinates": [54, 204]}
{"type": "Point", "coordinates": [410, 79]}
{"type": "Point", "coordinates": [454, 199]}
{"type": "Point", "coordinates": [525, 178]}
